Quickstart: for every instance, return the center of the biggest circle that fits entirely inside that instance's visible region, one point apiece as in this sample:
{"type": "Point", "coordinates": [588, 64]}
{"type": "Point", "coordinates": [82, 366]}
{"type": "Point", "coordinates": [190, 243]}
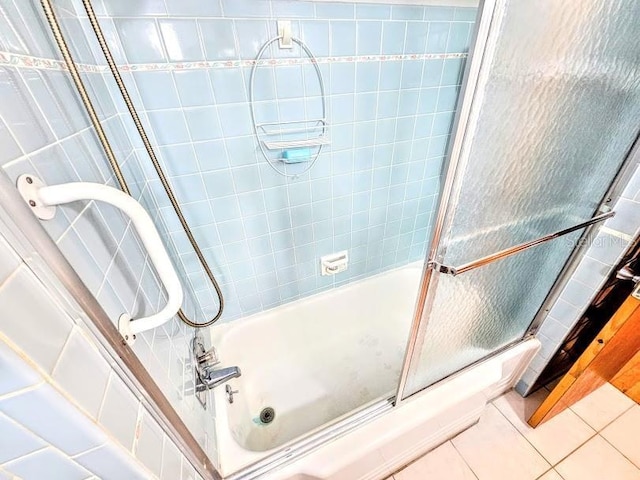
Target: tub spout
{"type": "Point", "coordinates": [213, 378]}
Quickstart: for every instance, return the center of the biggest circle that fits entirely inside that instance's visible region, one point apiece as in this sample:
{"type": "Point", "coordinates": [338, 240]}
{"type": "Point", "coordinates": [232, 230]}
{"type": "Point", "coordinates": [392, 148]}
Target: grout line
{"type": "Point", "coordinates": [553, 465]}
{"type": "Point", "coordinates": [616, 449]}
{"type": "Point", "coordinates": [459, 453]}
{"type": "Point", "coordinates": [63, 350]}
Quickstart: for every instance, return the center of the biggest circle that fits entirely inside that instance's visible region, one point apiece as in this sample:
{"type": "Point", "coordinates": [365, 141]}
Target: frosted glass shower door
{"type": "Point", "coordinates": [552, 113]}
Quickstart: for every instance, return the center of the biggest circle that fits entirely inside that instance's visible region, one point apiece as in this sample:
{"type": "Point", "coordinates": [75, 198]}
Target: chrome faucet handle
{"type": "Point", "coordinates": [208, 358]}
{"type": "Point", "coordinates": [204, 358]}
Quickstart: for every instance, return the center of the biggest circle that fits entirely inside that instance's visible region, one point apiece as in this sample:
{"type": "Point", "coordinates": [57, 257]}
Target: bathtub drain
{"type": "Point", "coordinates": [267, 415]}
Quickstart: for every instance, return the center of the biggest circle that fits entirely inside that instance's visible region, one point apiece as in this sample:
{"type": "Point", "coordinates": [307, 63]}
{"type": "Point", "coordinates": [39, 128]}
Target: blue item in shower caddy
{"type": "Point", "coordinates": [296, 155]}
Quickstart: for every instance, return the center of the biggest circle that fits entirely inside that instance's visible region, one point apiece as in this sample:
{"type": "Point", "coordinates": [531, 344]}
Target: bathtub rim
{"type": "Point", "coordinates": [304, 445]}
{"type": "Point", "coordinates": [219, 333]}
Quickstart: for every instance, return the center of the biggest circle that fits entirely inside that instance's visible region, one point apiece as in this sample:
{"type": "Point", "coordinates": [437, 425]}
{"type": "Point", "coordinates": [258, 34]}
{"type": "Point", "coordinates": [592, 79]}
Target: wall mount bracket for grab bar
{"type": "Point", "coordinates": [43, 200]}
{"type": "Point", "coordinates": [507, 252]}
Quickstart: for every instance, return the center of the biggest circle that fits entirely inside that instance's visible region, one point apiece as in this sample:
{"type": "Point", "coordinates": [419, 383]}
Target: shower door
{"type": "Point", "coordinates": [551, 109]}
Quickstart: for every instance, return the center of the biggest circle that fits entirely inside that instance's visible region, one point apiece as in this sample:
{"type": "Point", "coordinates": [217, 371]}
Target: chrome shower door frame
{"type": "Point", "coordinates": [483, 48]}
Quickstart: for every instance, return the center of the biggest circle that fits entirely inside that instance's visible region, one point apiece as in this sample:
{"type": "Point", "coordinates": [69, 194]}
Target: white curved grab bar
{"type": "Point", "coordinates": [49, 196]}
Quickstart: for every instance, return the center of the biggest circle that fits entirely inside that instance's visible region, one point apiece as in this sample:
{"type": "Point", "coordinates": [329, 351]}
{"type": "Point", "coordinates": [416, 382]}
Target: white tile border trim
{"type": "Point", "coordinates": [25, 61]}
{"type": "Point", "coordinates": [38, 63]}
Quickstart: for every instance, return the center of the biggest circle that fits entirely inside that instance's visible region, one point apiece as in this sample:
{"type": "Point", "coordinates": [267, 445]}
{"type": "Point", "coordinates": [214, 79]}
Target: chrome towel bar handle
{"type": "Point", "coordinates": [507, 252]}
{"type": "Point", "coordinates": [42, 199]}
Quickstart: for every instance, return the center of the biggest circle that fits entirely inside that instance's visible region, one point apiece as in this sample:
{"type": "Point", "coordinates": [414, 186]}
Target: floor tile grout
{"type": "Point", "coordinates": [462, 456]}
{"type": "Point", "coordinates": [614, 447]}
{"type": "Point", "coordinates": [552, 465]}
{"type": "Point", "coordinates": [616, 418]}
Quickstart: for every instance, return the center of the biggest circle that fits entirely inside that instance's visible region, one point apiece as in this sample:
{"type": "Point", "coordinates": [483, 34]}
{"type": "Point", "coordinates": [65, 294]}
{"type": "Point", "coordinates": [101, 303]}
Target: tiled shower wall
{"type": "Point", "coordinates": [392, 77]}
{"type": "Point", "coordinates": [64, 411]}
{"type": "Point", "coordinates": [45, 131]}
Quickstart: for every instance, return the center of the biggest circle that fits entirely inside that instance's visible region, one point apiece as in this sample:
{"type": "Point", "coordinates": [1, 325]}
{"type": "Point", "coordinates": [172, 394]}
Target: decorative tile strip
{"type": "Point", "coordinates": [38, 63]}
{"type": "Point", "coordinates": [145, 67]}
{"type": "Point", "coordinates": [24, 61]}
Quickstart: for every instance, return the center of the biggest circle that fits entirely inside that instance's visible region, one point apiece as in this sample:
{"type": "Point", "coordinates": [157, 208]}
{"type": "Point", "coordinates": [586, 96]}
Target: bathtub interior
{"type": "Point", "coordinates": [318, 358]}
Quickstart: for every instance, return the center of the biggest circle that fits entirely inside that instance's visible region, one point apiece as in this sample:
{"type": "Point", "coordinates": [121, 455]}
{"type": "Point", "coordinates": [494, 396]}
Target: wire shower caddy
{"type": "Point", "coordinates": [270, 134]}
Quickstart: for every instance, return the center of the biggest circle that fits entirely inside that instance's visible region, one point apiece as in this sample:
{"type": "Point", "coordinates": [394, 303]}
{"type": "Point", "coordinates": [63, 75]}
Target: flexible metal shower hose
{"type": "Point", "coordinates": [88, 104]}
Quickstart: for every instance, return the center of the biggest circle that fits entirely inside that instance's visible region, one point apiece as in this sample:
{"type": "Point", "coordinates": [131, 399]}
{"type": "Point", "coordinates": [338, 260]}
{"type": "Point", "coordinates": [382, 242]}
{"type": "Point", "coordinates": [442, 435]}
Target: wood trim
{"type": "Point", "coordinates": [615, 346]}
{"type": "Point", "coordinates": [628, 379]}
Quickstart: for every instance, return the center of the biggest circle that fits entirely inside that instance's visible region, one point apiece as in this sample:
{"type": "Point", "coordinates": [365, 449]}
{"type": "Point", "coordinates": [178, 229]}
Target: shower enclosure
{"type": "Point", "coordinates": [464, 157]}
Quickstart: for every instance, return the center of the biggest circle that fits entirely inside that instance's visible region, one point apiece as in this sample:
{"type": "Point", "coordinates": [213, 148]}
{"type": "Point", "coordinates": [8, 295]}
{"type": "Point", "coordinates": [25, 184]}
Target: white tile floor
{"type": "Point", "coordinates": [596, 439]}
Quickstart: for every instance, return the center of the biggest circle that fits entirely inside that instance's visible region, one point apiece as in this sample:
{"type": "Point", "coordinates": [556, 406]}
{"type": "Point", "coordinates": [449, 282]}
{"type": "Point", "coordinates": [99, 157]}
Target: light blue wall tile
{"type": "Point", "coordinates": [140, 40]}
{"type": "Point", "coordinates": [43, 462]}
{"type": "Point", "coordinates": [627, 217]}
{"type": "Point", "coordinates": [442, 123]}
{"type": "Point", "coordinates": [245, 8]}
{"type": "Point", "coordinates": [342, 78]}
{"type": "Point", "coordinates": [458, 38]}
{"type": "Point", "coordinates": [447, 99]}
{"type": "Point", "coordinates": [9, 149]}
{"type": "Point", "coordinates": [437, 146]}
{"type": "Point", "coordinates": [411, 74]}
{"type": "Point", "coordinates": [343, 38]}
{"type": "Point", "coordinates": [219, 39]}
{"type": "Point", "coordinates": [179, 160]}
{"type": "Point", "coordinates": [228, 85]}
{"type": "Point", "coordinates": [381, 113]}
{"type": "Point", "coordinates": [432, 73]}
{"type": "Point", "coordinates": [366, 106]}
{"type": "Point", "coordinates": [438, 37]}
{"type": "Point", "coordinates": [190, 188]}
{"type": "Point", "coordinates": [211, 155]}
{"type": "Point", "coordinates": [193, 8]}
{"type": "Point", "coordinates": [241, 151]}
{"type": "Point", "coordinates": [465, 14]}
{"type": "Point", "coordinates": [369, 39]}
{"type": "Point", "coordinates": [15, 441]}
{"type": "Point", "coordinates": [169, 126]}
{"type": "Point", "coordinates": [316, 35]}
{"type": "Point", "coordinates": [21, 114]}
{"type": "Point", "coordinates": [335, 10]}
{"type": "Point", "coordinates": [388, 104]}
{"type": "Point", "coordinates": [452, 72]}
{"type": "Point", "coordinates": [181, 40]}
{"type": "Point", "coordinates": [157, 90]}
{"type": "Point", "coordinates": [292, 9]}
{"type": "Point", "coordinates": [373, 12]}
{"type": "Point", "coordinates": [246, 179]}
{"type": "Point", "coordinates": [124, 8]}
{"type": "Point", "coordinates": [202, 123]}
{"type": "Point", "coordinates": [439, 13]}
{"type": "Point", "coordinates": [390, 75]}
{"type": "Point", "coordinates": [393, 37]}
{"type": "Point", "coordinates": [408, 102]}
{"type": "Point", "coordinates": [251, 36]}
{"type": "Point", "coordinates": [416, 39]}
{"type": "Point", "coordinates": [342, 108]}
{"type": "Point", "coordinates": [289, 82]}
{"type": "Point", "coordinates": [194, 88]}
{"type": "Point", "coordinates": [51, 423]}
{"type": "Point", "coordinates": [367, 75]}
{"type": "Point", "coordinates": [402, 12]}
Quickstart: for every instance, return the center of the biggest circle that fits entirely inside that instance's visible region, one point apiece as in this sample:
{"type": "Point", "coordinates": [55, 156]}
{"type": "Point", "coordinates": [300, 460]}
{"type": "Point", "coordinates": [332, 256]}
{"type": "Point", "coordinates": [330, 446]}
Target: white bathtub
{"type": "Point", "coordinates": [316, 360]}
